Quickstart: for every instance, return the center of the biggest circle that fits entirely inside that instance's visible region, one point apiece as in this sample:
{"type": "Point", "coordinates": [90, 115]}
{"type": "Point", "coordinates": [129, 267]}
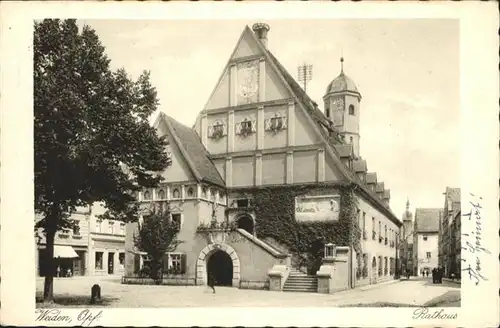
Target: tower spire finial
{"type": "Point", "coordinates": [341, 60]}
{"type": "Point", "coordinates": [407, 204]}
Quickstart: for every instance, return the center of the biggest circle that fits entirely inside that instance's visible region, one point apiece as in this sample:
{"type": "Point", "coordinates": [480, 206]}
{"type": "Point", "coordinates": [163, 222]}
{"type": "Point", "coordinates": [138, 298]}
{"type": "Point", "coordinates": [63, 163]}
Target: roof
{"type": "Point", "coordinates": [387, 194]}
{"type": "Point", "coordinates": [344, 150]}
{"type": "Point", "coordinates": [193, 150]}
{"type": "Point", "coordinates": [427, 219]}
{"type": "Point", "coordinates": [453, 194]}
{"type": "Point", "coordinates": [380, 187]}
{"type": "Point", "coordinates": [318, 116]}
{"type": "Point", "coordinates": [371, 177]}
{"type": "Point", "coordinates": [359, 165]}
{"type": "Point", "coordinates": [342, 83]}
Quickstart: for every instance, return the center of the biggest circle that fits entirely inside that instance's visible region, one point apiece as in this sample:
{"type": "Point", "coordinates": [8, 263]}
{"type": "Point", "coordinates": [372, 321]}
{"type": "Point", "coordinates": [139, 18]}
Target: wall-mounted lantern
{"type": "Point", "coordinates": [330, 251]}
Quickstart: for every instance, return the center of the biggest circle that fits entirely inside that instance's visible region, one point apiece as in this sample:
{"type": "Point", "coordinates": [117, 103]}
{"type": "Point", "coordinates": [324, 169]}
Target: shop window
{"type": "Point", "coordinates": [98, 260]}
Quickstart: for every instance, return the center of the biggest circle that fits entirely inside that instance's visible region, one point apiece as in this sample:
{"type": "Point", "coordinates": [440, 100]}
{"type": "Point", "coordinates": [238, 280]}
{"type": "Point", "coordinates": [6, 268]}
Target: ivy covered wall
{"type": "Point", "coordinates": [274, 209]}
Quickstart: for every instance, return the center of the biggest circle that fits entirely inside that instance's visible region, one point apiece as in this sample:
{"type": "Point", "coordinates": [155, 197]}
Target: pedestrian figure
{"type": "Point", "coordinates": [211, 282]}
{"type": "Point", "coordinates": [434, 275]}
{"type": "Point", "coordinates": [58, 270]}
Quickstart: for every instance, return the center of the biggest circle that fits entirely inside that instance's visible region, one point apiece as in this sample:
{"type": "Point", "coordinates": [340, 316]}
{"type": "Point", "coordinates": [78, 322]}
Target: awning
{"type": "Point", "coordinates": [64, 251]}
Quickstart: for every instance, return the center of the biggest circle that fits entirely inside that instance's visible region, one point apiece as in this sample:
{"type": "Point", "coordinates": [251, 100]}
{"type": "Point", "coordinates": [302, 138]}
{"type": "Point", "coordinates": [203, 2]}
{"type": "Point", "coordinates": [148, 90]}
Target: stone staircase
{"type": "Point", "coordinates": [299, 281]}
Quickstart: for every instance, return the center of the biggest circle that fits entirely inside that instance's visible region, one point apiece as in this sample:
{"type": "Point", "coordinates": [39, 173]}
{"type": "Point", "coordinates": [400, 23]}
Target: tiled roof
{"type": "Point", "coordinates": [427, 219]}
{"type": "Point", "coordinates": [371, 177]}
{"type": "Point", "coordinates": [453, 194]}
{"type": "Point", "coordinates": [194, 151]}
{"type": "Point", "coordinates": [332, 137]}
{"type": "Point", "coordinates": [359, 165]}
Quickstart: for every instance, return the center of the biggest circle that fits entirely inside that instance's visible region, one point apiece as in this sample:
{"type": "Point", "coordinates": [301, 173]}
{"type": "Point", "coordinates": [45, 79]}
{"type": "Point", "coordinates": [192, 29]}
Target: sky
{"type": "Point", "coordinates": [407, 72]}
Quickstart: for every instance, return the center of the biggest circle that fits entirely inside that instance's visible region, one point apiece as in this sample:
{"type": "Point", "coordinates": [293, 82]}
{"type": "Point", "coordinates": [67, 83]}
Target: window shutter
{"type": "Point", "coordinates": [238, 128]}
{"type": "Point", "coordinates": [183, 263]}
{"type": "Point", "coordinates": [254, 126]}
{"type": "Point", "coordinates": [284, 122]}
{"type": "Point", "coordinates": [210, 131]}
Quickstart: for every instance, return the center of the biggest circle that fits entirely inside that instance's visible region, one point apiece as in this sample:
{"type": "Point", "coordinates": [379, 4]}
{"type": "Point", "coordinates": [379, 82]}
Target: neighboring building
{"type": "Point", "coordinates": [93, 247]}
{"type": "Point", "coordinates": [450, 233]}
{"type": "Point", "coordinates": [261, 134]}
{"type": "Point", "coordinates": [425, 239]}
{"type": "Point", "coordinates": [406, 241]}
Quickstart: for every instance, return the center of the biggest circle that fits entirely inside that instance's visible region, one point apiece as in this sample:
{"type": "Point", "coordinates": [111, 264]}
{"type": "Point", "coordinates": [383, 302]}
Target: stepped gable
{"type": "Point", "coordinates": [359, 165]}
{"type": "Point", "coordinates": [194, 152]}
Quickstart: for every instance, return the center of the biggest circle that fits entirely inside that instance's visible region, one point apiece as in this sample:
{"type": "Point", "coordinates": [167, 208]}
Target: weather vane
{"type": "Point", "coordinates": [305, 74]}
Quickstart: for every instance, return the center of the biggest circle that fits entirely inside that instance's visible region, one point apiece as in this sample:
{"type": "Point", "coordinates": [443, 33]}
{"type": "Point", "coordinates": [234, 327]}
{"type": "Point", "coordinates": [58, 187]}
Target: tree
{"type": "Point", "coordinates": [90, 123]}
{"type": "Point", "coordinates": [156, 236]}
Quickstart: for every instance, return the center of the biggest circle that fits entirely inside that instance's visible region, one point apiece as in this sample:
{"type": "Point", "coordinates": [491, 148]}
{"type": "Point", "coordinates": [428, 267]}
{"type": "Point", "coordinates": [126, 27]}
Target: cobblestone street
{"type": "Point", "coordinates": [75, 292]}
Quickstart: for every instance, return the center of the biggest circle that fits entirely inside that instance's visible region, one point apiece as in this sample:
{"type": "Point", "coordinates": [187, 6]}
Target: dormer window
{"type": "Point", "coordinates": [217, 130]}
{"type": "Point", "coordinates": [351, 110]}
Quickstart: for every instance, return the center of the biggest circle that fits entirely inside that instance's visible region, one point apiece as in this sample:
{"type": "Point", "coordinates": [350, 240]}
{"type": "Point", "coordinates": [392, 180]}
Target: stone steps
{"type": "Point", "coordinates": [299, 281]}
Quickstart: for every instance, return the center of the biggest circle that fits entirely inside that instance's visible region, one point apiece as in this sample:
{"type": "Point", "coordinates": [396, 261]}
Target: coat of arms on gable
{"type": "Point", "coordinates": [248, 82]}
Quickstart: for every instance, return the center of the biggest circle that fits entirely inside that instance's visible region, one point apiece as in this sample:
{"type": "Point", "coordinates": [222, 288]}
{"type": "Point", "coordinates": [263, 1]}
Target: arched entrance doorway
{"type": "Point", "coordinates": [246, 223]}
{"type": "Point", "coordinates": [205, 256]}
{"type": "Point", "coordinates": [220, 266]}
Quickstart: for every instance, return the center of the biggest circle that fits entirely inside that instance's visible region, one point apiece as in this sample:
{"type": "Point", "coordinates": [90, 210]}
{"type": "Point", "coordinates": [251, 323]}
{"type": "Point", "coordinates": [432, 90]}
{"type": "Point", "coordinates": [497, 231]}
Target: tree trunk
{"type": "Point", "coordinates": [48, 288]}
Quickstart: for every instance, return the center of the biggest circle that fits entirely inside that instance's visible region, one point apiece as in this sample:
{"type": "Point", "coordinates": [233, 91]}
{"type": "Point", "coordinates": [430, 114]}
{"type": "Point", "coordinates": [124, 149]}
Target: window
{"type": "Point", "coordinates": [350, 140]}
{"type": "Point", "coordinates": [246, 125]}
{"type": "Point", "coordinates": [176, 193]}
{"type": "Point", "coordinates": [327, 112]}
{"type": "Point", "coordinates": [161, 194]}
{"type": "Point", "coordinates": [217, 129]}
{"type": "Point", "coordinates": [98, 260]}
{"type": "Point", "coordinates": [147, 195]}
{"type": "Point", "coordinates": [111, 227]}
{"type": "Point", "coordinates": [176, 218]}
{"type": "Point", "coordinates": [351, 110]}
{"type": "Point", "coordinates": [425, 238]}
{"type": "Point", "coordinates": [121, 258]}
{"type": "Point", "coordinates": [122, 228]}
{"type": "Point", "coordinates": [428, 255]}
{"type": "Point", "coordinates": [190, 192]}
{"type": "Point", "coordinates": [76, 229]}
{"type": "Point", "coordinates": [242, 202]}
{"type": "Point", "coordinates": [204, 192]}
{"type": "Point", "coordinates": [175, 262]}
{"type": "Point", "coordinates": [98, 226]}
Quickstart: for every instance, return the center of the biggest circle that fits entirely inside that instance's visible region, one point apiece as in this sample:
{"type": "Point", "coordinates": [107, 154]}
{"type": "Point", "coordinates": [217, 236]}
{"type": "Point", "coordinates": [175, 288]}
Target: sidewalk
{"type": "Point", "coordinates": [455, 281]}
{"type": "Point", "coordinates": [381, 284]}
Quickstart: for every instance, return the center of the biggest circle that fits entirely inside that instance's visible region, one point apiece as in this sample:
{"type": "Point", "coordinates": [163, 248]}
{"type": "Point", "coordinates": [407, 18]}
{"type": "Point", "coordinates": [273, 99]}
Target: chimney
{"type": "Point", "coordinates": [260, 30]}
